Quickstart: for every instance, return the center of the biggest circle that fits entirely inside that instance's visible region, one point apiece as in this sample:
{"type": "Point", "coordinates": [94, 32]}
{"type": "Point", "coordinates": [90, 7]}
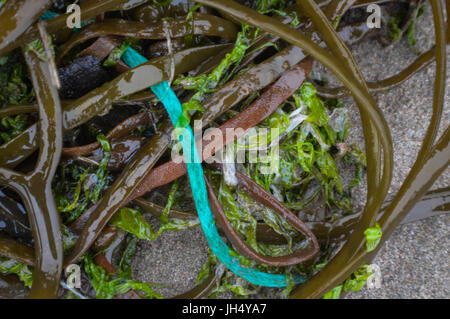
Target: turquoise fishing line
{"type": "Point", "coordinates": [173, 106]}
{"type": "Point", "coordinates": [198, 186]}
{"type": "Point", "coordinates": [49, 15]}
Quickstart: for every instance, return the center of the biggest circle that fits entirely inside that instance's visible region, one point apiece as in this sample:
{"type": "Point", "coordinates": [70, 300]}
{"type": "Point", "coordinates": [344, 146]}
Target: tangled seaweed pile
{"type": "Point", "coordinates": [85, 145]}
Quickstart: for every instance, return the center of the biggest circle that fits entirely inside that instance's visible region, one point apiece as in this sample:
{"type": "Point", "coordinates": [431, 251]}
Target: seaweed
{"type": "Point", "coordinates": [107, 287]}
{"type": "Point", "coordinates": [71, 181]}
{"type": "Point", "coordinates": [238, 84]}
{"type": "Point", "coordinates": [354, 283]}
{"type": "Point", "coordinates": [131, 220]}
{"type": "Point", "coordinates": [15, 88]}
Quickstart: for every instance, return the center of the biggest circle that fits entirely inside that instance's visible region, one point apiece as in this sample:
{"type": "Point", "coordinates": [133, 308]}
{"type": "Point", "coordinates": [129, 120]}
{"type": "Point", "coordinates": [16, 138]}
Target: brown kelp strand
{"type": "Point", "coordinates": [448, 24]}
{"type": "Point", "coordinates": [122, 129]}
{"type": "Point", "coordinates": [106, 239]}
{"type": "Point", "coordinates": [116, 196]}
{"type": "Point", "coordinates": [374, 125]}
{"type": "Point", "coordinates": [151, 12]}
{"type": "Point", "coordinates": [35, 188]}
{"type": "Point", "coordinates": [253, 115]}
{"type": "Point", "coordinates": [19, 148]}
{"type": "Point", "coordinates": [433, 203]}
{"type": "Point", "coordinates": [99, 101]}
{"type": "Point", "coordinates": [364, 3]}
{"type": "Point", "coordinates": [372, 151]}
{"type": "Point", "coordinates": [256, 191]}
{"type": "Point", "coordinates": [381, 187]}
{"type": "Point", "coordinates": [229, 95]}
{"type": "Point", "coordinates": [157, 210]}
{"type": "Point", "coordinates": [102, 47]}
{"type": "Point", "coordinates": [14, 23]}
{"type": "Point", "coordinates": [134, 80]}
{"type": "Point", "coordinates": [58, 26]}
{"type": "Point", "coordinates": [421, 63]}
{"type": "Point", "coordinates": [440, 83]}
{"type": "Point", "coordinates": [203, 289]}
{"type": "Point", "coordinates": [13, 219]}
{"type": "Point", "coordinates": [101, 261]}
{"type": "Point", "coordinates": [354, 33]}
{"type": "Point", "coordinates": [416, 183]}
{"type": "Point", "coordinates": [309, 28]}
{"type": "Point", "coordinates": [122, 152]}
{"type": "Point", "coordinates": [17, 109]}
{"type": "Point", "coordinates": [207, 25]}
{"type": "Point", "coordinates": [168, 172]}
{"type": "Point", "coordinates": [252, 80]}
{"type": "Point", "coordinates": [199, 291]}
{"type": "Point", "coordinates": [12, 288]}
{"type": "Point", "coordinates": [13, 249]}
{"type": "Point", "coordinates": [365, 101]}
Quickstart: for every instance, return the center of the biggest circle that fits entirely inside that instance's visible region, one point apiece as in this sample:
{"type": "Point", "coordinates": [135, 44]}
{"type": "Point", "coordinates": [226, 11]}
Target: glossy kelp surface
{"type": "Point", "coordinates": [244, 86]}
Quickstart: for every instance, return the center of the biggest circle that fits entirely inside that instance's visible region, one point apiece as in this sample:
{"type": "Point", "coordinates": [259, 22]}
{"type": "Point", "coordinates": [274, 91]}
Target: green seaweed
{"type": "Point", "coordinates": [132, 221]}
{"type": "Point", "coordinates": [37, 47]}
{"type": "Point", "coordinates": [373, 237]}
{"type": "Point", "coordinates": [107, 287]}
{"type": "Point", "coordinates": [15, 88]}
{"type": "Point", "coordinates": [354, 283]}
{"type": "Point", "coordinates": [71, 181]}
{"type": "Point", "coordinates": [411, 31]}
{"type": "Point", "coordinates": [240, 288]}
{"type": "Point", "coordinates": [306, 151]}
{"type": "Point", "coordinates": [11, 266]}
{"type": "Point", "coordinates": [69, 238]}
{"type": "Point", "coordinates": [267, 6]}
{"type": "Point", "coordinates": [395, 32]}
{"type": "Point", "coordinates": [207, 267]}
{"type": "Point", "coordinates": [117, 53]}
{"type": "Point", "coordinates": [164, 218]}
{"type": "Point", "coordinates": [189, 36]}
{"type": "Point", "coordinates": [334, 293]}
{"type": "Point", "coordinates": [11, 126]}
{"type": "Point", "coordinates": [127, 256]}
{"type": "Point", "coordinates": [208, 83]}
